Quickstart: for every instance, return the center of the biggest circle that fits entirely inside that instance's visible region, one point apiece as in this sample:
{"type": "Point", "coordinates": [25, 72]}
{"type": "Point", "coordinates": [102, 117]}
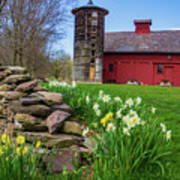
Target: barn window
{"type": "Point", "coordinates": [160, 68]}
{"type": "Point", "coordinates": [111, 68]}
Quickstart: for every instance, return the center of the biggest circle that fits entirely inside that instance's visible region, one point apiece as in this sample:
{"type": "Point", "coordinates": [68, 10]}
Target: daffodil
{"type": "Point", "coordinates": [38, 144]}
{"type": "Point", "coordinates": [101, 92]}
{"type": "Point", "coordinates": [18, 150]}
{"type": "Point", "coordinates": [138, 100]}
{"type": "Point", "coordinates": [117, 99]}
{"type": "Point", "coordinates": [130, 102]}
{"type": "Point", "coordinates": [153, 110]}
{"type": "Point", "coordinates": [118, 114]}
{"type": "Point", "coordinates": [1, 151]}
{"type": "Point", "coordinates": [85, 132]}
{"type": "Point", "coordinates": [168, 135]}
{"type": "Point", "coordinates": [126, 131]}
{"type": "Point", "coordinates": [87, 99]}
{"type": "Point", "coordinates": [143, 123]}
{"type": "Point", "coordinates": [7, 158]}
{"type": "Point", "coordinates": [163, 126]}
{"type": "Point", "coordinates": [5, 139]}
{"type": "Point", "coordinates": [132, 113]}
{"type": "Point", "coordinates": [73, 84]}
{"type": "Point", "coordinates": [25, 150]}
{"type": "Point", "coordinates": [130, 123]}
{"type": "Point", "coordinates": [136, 120]}
{"type": "Point", "coordinates": [107, 118]}
{"type": "Point", "coordinates": [125, 118]}
{"type": "Point", "coordinates": [98, 112]}
{"type": "Point", "coordinates": [106, 98]}
{"type": "Point", "coordinates": [20, 139]}
{"type": "Point", "coordinates": [110, 127]}
{"type": "Point", "coordinates": [96, 106]}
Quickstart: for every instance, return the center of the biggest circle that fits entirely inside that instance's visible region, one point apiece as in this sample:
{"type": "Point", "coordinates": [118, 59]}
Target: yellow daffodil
{"type": "Point", "coordinates": [1, 151]}
{"type": "Point", "coordinates": [5, 139]}
{"type": "Point", "coordinates": [38, 144]}
{"type": "Point", "coordinates": [7, 158]}
{"type": "Point", "coordinates": [18, 150]}
{"type": "Point", "coordinates": [25, 150]}
{"type": "Point", "coordinates": [20, 139]}
{"type": "Point", "coordinates": [107, 118]}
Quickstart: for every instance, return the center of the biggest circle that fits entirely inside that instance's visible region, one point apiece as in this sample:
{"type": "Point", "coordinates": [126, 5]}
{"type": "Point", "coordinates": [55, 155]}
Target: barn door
{"type": "Point", "coordinates": [168, 73]}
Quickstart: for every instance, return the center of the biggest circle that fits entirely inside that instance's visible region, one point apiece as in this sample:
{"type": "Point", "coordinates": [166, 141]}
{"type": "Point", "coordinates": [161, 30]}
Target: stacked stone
{"type": "Point", "coordinates": [34, 112]}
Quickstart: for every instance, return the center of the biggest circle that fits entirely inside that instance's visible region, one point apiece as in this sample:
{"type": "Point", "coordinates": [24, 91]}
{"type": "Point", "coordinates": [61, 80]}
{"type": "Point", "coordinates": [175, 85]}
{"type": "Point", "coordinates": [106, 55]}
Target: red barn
{"type": "Point", "coordinates": [146, 56]}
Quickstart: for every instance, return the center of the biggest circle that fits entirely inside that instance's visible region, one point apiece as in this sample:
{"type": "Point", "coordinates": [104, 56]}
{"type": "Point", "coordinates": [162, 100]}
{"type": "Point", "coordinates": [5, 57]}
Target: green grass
{"type": "Point", "coordinates": [165, 99]}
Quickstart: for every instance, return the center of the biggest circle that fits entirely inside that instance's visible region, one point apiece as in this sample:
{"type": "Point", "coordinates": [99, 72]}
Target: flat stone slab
{"type": "Point", "coordinates": [51, 98]}
{"type": "Point", "coordinates": [35, 110]}
{"type": "Point", "coordinates": [16, 79]}
{"type": "Point", "coordinates": [55, 141]}
{"type": "Point", "coordinates": [62, 107]}
{"type": "Point", "coordinates": [27, 86]}
{"type": "Point", "coordinates": [13, 95]}
{"type": "Point", "coordinates": [30, 101]}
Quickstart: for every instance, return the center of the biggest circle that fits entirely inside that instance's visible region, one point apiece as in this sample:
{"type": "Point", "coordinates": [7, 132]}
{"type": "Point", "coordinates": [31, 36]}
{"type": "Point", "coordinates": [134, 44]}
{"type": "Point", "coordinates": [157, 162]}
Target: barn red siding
{"type": "Point", "coordinates": [142, 67]}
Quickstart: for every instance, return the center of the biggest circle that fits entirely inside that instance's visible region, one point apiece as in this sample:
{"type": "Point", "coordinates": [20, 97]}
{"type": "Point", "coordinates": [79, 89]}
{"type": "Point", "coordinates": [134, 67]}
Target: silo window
{"type": "Point", "coordinates": [94, 14]}
{"type": "Point", "coordinates": [92, 60]}
{"type": "Point", "coordinates": [111, 68]}
{"type": "Point", "coordinates": [94, 22]}
{"type": "Point", "coordinates": [160, 68]}
{"type": "Point", "coordinates": [93, 52]}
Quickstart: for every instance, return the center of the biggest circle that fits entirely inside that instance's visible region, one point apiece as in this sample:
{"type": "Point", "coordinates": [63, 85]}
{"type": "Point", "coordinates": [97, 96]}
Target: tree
{"type": "Point", "coordinates": [30, 28]}
{"type": "Point", "coordinates": [61, 68]}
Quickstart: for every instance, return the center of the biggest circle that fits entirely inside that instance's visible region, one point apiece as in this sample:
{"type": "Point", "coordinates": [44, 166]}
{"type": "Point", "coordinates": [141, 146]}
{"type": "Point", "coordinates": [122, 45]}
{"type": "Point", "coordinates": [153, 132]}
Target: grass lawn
{"type": "Point", "coordinates": [165, 99]}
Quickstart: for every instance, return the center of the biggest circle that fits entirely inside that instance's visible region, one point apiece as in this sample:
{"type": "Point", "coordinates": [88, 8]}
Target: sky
{"type": "Point", "coordinates": [165, 15]}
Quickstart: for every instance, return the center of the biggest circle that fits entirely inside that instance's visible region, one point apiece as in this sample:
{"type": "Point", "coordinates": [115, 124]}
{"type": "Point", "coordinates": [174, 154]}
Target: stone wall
{"type": "Point", "coordinates": [28, 109]}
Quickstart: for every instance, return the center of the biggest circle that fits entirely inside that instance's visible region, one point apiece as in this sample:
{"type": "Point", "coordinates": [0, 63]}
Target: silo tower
{"type": "Point", "coordinates": [88, 42]}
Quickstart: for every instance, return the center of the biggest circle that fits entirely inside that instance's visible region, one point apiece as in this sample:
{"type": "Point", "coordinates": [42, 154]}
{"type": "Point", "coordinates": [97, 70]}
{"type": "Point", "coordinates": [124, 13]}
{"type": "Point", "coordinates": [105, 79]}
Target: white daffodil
{"type": "Point", "coordinates": [96, 106]}
{"type": "Point", "coordinates": [130, 123]}
{"type": "Point", "coordinates": [124, 106]}
{"type": "Point", "coordinates": [138, 100]}
{"type": "Point", "coordinates": [118, 114]}
{"type": "Point", "coordinates": [153, 110]}
{"type": "Point", "coordinates": [125, 118]}
{"type": "Point", "coordinates": [130, 102]}
{"type": "Point", "coordinates": [110, 127]}
{"type": "Point", "coordinates": [132, 113]}
{"type": "Point", "coordinates": [168, 135]}
{"type": "Point", "coordinates": [143, 123]}
{"type": "Point", "coordinates": [126, 131]}
{"type": "Point", "coordinates": [101, 92]}
{"type": "Point", "coordinates": [117, 99]}
{"type": "Point", "coordinates": [163, 126]}
{"type": "Point", "coordinates": [98, 112]}
{"type": "Point", "coordinates": [85, 132]}
{"type": "Point", "coordinates": [106, 98]}
{"type": "Point", "coordinates": [73, 84]}
{"type": "Point", "coordinates": [87, 99]}
{"type": "Point", "coordinates": [136, 120]}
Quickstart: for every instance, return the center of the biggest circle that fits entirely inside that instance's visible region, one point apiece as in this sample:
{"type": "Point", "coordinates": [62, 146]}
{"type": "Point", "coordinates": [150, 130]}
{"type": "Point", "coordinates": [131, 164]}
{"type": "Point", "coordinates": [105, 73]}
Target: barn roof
{"type": "Point", "coordinates": [153, 42]}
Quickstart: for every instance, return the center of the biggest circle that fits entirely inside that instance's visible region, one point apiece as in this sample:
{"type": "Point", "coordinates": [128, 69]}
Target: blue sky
{"type": "Point", "coordinates": [165, 15]}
